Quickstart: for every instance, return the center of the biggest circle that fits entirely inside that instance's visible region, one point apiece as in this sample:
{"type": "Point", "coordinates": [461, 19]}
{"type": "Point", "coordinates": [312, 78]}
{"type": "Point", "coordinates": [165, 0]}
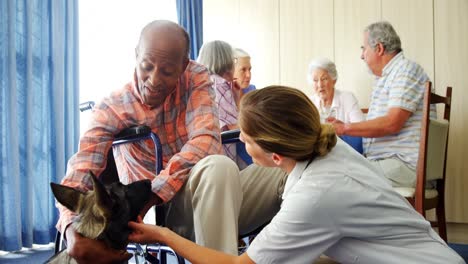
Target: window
{"type": "Point", "coordinates": [109, 31]}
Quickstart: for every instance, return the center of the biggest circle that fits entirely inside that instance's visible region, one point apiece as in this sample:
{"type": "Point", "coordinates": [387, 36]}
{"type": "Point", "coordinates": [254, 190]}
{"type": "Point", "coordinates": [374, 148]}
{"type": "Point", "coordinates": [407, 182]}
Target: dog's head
{"type": "Point", "coordinates": [104, 212]}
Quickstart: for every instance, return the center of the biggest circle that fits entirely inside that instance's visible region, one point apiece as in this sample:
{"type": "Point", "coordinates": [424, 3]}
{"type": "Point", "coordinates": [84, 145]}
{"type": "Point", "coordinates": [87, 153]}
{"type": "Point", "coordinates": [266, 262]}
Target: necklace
{"type": "Point", "coordinates": [326, 112]}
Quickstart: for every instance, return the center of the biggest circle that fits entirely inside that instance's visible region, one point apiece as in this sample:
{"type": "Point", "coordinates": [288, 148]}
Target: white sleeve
{"type": "Point", "coordinates": [353, 110]}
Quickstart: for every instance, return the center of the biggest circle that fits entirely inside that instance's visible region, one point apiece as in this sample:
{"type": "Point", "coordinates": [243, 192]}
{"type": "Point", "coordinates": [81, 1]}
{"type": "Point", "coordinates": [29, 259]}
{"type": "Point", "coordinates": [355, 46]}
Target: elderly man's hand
{"type": "Point", "coordinates": [85, 250]}
{"type": "Point", "coordinates": [337, 124]}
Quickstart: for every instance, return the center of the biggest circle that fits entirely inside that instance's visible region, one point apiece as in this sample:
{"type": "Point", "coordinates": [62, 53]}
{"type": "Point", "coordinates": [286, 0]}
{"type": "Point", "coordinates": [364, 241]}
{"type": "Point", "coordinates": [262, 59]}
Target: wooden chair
{"type": "Point", "coordinates": [432, 161]}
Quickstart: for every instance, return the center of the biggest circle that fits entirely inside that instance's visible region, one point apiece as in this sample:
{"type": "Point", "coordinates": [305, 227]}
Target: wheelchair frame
{"type": "Point", "coordinates": [129, 135]}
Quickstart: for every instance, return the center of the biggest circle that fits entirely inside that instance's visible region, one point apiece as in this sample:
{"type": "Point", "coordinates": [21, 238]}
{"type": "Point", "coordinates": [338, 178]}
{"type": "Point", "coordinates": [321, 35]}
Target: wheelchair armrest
{"type": "Point", "coordinates": [86, 106]}
{"type": "Point", "coordinates": [129, 133]}
{"type": "Point", "coordinates": [135, 132]}
{"type": "Point", "coordinates": [230, 136]}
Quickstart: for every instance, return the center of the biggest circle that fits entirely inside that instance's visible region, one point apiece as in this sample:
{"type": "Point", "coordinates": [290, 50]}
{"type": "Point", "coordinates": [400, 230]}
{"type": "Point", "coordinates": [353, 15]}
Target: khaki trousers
{"type": "Point", "coordinates": [217, 203]}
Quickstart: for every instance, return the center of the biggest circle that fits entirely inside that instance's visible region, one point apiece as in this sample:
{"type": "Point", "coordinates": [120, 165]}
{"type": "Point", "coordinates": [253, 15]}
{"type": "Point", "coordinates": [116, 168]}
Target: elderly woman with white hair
{"type": "Point", "coordinates": [218, 57]}
{"type": "Point", "coordinates": [243, 70]}
{"type": "Point", "coordinates": [331, 102]}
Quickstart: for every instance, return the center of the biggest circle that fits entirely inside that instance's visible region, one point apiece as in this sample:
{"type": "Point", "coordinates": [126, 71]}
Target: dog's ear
{"type": "Point", "coordinates": [103, 198]}
{"type": "Point", "coordinates": [67, 196]}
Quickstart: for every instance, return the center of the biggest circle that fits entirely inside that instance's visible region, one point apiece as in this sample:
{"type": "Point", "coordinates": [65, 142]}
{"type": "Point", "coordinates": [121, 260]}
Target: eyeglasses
{"type": "Point", "coordinates": [323, 79]}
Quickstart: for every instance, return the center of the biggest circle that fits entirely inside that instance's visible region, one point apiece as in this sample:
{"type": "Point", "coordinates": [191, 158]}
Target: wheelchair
{"type": "Point", "coordinates": [152, 253]}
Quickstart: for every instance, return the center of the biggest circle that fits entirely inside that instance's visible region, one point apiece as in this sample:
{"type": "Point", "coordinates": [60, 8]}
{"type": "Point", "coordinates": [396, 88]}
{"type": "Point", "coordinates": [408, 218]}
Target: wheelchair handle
{"type": "Point", "coordinates": [230, 136]}
{"type": "Point", "coordinates": [86, 106]}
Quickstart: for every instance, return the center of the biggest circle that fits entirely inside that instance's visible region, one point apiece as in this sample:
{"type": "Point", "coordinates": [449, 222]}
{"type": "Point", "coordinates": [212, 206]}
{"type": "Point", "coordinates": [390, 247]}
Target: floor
{"type": "Point", "coordinates": [457, 234]}
{"type": "Point", "coordinates": [38, 254]}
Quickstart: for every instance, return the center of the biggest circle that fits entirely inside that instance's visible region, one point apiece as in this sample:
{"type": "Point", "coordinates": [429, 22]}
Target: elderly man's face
{"type": "Point", "coordinates": [369, 55]}
{"type": "Point", "coordinates": [161, 60]}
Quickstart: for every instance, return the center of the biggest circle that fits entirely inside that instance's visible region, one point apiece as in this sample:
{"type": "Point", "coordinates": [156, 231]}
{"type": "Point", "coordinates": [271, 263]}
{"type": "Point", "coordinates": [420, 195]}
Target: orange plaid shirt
{"type": "Point", "coordinates": [187, 125]}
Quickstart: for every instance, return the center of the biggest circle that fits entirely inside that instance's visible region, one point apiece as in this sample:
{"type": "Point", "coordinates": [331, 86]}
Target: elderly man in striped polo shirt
{"type": "Point", "coordinates": [392, 130]}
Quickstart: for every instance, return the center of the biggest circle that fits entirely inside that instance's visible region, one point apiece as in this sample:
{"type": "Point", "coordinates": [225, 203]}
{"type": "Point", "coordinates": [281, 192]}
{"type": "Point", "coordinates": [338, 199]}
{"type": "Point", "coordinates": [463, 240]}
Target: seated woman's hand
{"type": "Point", "coordinates": [337, 124]}
{"type": "Point", "coordinates": [332, 120]}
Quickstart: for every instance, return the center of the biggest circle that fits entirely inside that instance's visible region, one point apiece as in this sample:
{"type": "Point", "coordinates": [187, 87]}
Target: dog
{"type": "Point", "coordinates": [104, 212]}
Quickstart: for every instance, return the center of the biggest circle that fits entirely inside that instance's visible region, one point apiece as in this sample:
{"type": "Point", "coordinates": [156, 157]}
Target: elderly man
{"type": "Point", "coordinates": [392, 130]}
{"type": "Point", "coordinates": [204, 193]}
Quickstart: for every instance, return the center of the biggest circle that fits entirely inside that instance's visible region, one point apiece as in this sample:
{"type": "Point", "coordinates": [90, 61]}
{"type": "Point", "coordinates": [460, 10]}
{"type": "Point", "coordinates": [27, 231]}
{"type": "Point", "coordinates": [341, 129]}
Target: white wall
{"type": "Point", "coordinates": [283, 35]}
{"type": "Point", "coordinates": [109, 32]}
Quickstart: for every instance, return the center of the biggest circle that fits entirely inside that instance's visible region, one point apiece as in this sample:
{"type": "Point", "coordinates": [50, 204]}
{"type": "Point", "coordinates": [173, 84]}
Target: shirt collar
{"type": "Point", "coordinates": [335, 101]}
{"type": "Point", "coordinates": [388, 68]}
{"type": "Point", "coordinates": [215, 78]}
{"type": "Point", "coordinates": [135, 91]}
{"type": "Point", "coordinates": [294, 177]}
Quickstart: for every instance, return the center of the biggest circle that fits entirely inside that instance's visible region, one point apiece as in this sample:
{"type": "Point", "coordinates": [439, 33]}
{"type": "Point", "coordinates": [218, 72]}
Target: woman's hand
{"type": "Point", "coordinates": [145, 233]}
{"type": "Point", "coordinates": [337, 124]}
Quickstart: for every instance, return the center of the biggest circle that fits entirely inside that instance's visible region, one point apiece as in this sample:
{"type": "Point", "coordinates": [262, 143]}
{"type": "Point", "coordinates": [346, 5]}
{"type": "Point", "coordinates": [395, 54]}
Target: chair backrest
{"type": "Point", "coordinates": [433, 147]}
{"type": "Point", "coordinates": [436, 149]}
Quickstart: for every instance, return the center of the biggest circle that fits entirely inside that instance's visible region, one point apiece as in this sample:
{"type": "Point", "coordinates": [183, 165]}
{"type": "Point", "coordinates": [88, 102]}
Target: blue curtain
{"type": "Point", "coordinates": [190, 16]}
{"type": "Point", "coordinates": [38, 114]}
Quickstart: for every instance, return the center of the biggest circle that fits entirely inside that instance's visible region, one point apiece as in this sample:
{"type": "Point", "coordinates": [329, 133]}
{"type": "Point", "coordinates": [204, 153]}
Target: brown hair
{"type": "Point", "coordinates": [283, 120]}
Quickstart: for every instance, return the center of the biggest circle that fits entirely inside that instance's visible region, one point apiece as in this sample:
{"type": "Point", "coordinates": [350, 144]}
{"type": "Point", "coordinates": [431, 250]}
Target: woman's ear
{"type": "Point", "coordinates": [277, 159]}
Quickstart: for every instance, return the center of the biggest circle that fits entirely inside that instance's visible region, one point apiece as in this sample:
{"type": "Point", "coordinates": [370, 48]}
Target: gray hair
{"type": "Point", "coordinates": [383, 32]}
{"type": "Point", "coordinates": [240, 53]}
{"type": "Point", "coordinates": [324, 64]}
{"type": "Point", "coordinates": [217, 56]}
